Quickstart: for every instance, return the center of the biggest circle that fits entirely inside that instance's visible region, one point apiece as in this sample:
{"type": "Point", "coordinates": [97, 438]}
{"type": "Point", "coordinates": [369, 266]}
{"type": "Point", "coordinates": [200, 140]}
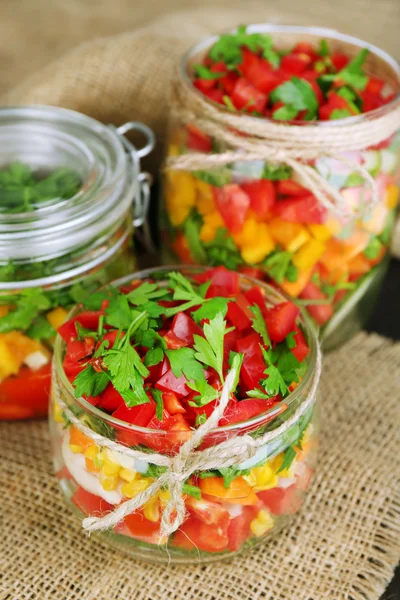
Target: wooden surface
{"type": "Point", "coordinates": [34, 32]}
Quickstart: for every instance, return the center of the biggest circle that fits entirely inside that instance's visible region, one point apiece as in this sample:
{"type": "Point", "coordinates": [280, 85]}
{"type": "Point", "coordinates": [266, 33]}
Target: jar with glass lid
{"type": "Point", "coordinates": [71, 191]}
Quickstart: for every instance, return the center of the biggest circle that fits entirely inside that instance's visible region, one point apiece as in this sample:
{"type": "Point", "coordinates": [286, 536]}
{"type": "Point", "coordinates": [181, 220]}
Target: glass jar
{"type": "Point", "coordinates": [333, 266]}
{"type": "Point", "coordinates": [263, 495]}
{"type": "Point", "coordinates": [55, 249]}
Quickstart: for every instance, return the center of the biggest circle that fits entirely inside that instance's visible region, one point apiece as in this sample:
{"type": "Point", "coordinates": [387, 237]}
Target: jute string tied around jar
{"type": "Point", "coordinates": [248, 138]}
{"type": "Point", "coordinates": [188, 460]}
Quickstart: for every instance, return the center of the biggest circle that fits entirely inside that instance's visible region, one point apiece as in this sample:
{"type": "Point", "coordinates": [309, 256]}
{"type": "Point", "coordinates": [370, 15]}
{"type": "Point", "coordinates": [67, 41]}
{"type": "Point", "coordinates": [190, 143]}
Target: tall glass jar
{"type": "Point", "coordinates": [273, 483]}
{"type": "Point", "coordinates": [331, 265]}
{"type": "Point", "coordinates": [70, 192]}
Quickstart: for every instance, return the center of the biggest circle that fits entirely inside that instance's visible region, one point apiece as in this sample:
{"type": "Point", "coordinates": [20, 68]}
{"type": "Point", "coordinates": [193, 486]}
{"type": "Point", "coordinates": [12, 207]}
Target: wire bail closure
{"type": "Point", "coordinates": [142, 184]}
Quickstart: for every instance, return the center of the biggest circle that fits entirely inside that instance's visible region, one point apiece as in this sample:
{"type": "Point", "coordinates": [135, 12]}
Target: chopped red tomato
{"type": "Point", "coordinates": [232, 203]}
{"type": "Point", "coordinates": [246, 96]}
{"type": "Point", "coordinates": [90, 504]}
{"type": "Point", "coordinates": [302, 209]}
{"type": "Point", "coordinates": [76, 356]}
{"type": "Point", "coordinates": [253, 366]}
{"type": "Point", "coordinates": [339, 60]}
{"type": "Point", "coordinates": [193, 534]}
{"type": "Point", "coordinates": [288, 187]}
{"type": "Point", "coordinates": [261, 194]}
{"type": "Point", "coordinates": [110, 399]}
{"type": "Point", "coordinates": [301, 350]}
{"type": "Point", "coordinates": [137, 415]}
{"type": "Point", "coordinates": [239, 313]}
{"type": "Point", "coordinates": [182, 330]}
{"type": "Point", "coordinates": [197, 140]}
{"type": "Point", "coordinates": [224, 283]}
{"type": "Point", "coordinates": [281, 501]}
{"type": "Point", "coordinates": [295, 63]}
{"type": "Point", "coordinates": [88, 320]}
{"type": "Point", "coordinates": [247, 409]}
{"type": "Point", "coordinates": [210, 513]}
{"type": "Point", "coordinates": [281, 320]}
{"type": "Point", "coordinates": [25, 395]}
{"type": "Point", "coordinates": [239, 527]}
{"type": "Point", "coordinates": [172, 404]}
{"type": "Point", "coordinates": [170, 383]}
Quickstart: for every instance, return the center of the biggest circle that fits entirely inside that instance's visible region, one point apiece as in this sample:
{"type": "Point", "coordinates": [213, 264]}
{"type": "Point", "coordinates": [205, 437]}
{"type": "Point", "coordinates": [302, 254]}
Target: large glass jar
{"type": "Point", "coordinates": [249, 507]}
{"type": "Point", "coordinates": [332, 265]}
{"type": "Point", "coordinates": [70, 193]}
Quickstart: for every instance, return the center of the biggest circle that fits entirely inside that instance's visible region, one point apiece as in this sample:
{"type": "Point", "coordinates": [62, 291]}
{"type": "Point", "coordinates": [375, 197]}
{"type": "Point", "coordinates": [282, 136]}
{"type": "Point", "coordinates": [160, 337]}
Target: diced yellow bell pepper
{"type": "Point", "coordinates": [265, 477]}
{"type": "Point", "coordinates": [284, 232]}
{"type": "Point", "coordinates": [9, 362]}
{"type": "Point", "coordinates": [262, 523]}
{"type": "Point", "coordinates": [211, 222]}
{"type": "Point", "coordinates": [20, 345]}
{"type": "Point", "coordinates": [260, 246]}
{"type": "Point", "coordinates": [294, 288]}
{"type": "Point", "coordinates": [180, 195]}
{"type": "Point", "coordinates": [173, 150]}
{"type": "Point", "coordinates": [56, 317]}
{"type": "Point", "coordinates": [248, 234]}
{"type": "Point", "coordinates": [298, 242]}
{"type": "Point", "coordinates": [309, 254]}
{"type": "Point", "coordinates": [392, 196]}
{"type": "Point", "coordinates": [4, 309]}
{"type": "Point", "coordinates": [204, 197]}
{"type": "Point", "coordinates": [165, 497]}
{"type": "Point", "coordinates": [76, 449]}
{"type": "Point", "coordinates": [320, 232]}
{"type": "Point", "coordinates": [57, 413]}
{"type": "Point", "coordinates": [110, 467]}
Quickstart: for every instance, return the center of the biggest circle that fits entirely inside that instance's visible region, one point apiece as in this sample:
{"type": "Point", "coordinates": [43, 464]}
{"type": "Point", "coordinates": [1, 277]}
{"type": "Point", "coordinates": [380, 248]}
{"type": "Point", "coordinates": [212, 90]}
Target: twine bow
{"type": "Point", "coordinates": [250, 139]}
{"type": "Point", "coordinates": [188, 460]}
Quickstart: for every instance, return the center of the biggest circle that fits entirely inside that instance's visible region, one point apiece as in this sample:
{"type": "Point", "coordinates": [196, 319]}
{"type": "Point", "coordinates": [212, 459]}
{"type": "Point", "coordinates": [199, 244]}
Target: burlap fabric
{"type": "Point", "coordinates": [342, 546]}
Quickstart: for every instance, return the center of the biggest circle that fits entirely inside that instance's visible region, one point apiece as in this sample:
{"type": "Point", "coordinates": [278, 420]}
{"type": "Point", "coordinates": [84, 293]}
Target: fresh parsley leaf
{"type": "Point", "coordinates": [192, 490]}
{"type": "Point", "coordinates": [157, 397]}
{"type": "Point", "coordinates": [145, 292]}
{"type": "Point", "coordinates": [275, 383]}
{"type": "Point", "coordinates": [216, 177]}
{"type": "Point", "coordinates": [372, 250]}
{"type": "Point", "coordinates": [94, 301]}
{"type": "Point", "coordinates": [277, 264]}
{"type": "Point", "coordinates": [200, 419]}
{"type": "Point", "coordinates": [323, 48]}
{"type": "Point", "coordinates": [292, 273]}
{"type": "Point", "coordinates": [259, 324]}
{"type": "Point", "coordinates": [288, 458]}
{"type": "Point", "coordinates": [118, 312]}
{"type": "Point", "coordinates": [41, 329]}
{"type": "Point", "coordinates": [235, 362]}
{"type": "Point", "coordinates": [154, 356]}
{"type": "Point", "coordinates": [290, 341]}
{"type": "Point", "coordinates": [352, 74]}
{"type": "Point", "coordinates": [211, 308]}
{"type": "Point", "coordinates": [205, 73]}
{"type": "Point", "coordinates": [28, 304]}
{"type": "Point", "coordinates": [210, 350]}
{"type": "Point", "coordinates": [276, 172]}
{"type": "Point", "coordinates": [206, 392]}
{"type": "Point", "coordinates": [266, 45]}
{"type": "Point", "coordinates": [339, 113]}
{"type": "Point", "coordinates": [231, 473]}
{"type": "Point", "coordinates": [229, 104]}
{"type": "Point", "coordinates": [258, 394]}
{"type": "Point", "coordinates": [90, 383]}
{"type": "Point", "coordinates": [192, 228]}
{"type": "Point", "coordinates": [285, 113]}
{"type": "Point", "coordinates": [297, 94]}
{"type": "Point", "coordinates": [222, 251]}
{"type": "Point", "coordinates": [183, 361]}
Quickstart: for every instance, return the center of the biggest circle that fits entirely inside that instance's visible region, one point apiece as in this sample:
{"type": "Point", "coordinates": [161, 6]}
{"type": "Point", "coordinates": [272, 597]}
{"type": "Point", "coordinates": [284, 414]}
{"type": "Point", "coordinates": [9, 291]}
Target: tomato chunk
{"type": "Point", "coordinates": [232, 203]}
{"type": "Point", "coordinates": [261, 194]}
{"type": "Point", "coordinates": [25, 395]}
{"type": "Point", "coordinates": [247, 97]}
{"type": "Point", "coordinates": [90, 504]}
{"type": "Point", "coordinates": [194, 534]}
{"type": "Point", "coordinates": [88, 320]}
{"type": "Point", "coordinates": [321, 313]}
{"type": "Point", "coordinates": [302, 209]}
{"type": "Point", "coordinates": [301, 350]}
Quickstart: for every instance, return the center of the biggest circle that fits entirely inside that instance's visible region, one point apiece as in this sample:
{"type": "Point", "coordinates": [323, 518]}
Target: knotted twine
{"type": "Point", "coordinates": [188, 460]}
{"type": "Point", "coordinates": [253, 139]}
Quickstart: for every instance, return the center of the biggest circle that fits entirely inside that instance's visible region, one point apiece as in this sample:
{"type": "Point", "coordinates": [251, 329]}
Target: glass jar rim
{"type": "Point", "coordinates": [296, 29]}
{"type": "Point", "coordinates": [298, 392]}
{"type": "Point", "coordinates": [109, 183]}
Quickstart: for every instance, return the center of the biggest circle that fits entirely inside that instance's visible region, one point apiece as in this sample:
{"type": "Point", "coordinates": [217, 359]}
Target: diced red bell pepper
{"type": "Point", "coordinates": [255, 296]}
{"type": "Point", "coordinates": [88, 320]}
{"type": "Point", "coordinates": [141, 528]}
{"type": "Point", "coordinates": [204, 85]}
{"type": "Point", "coordinates": [197, 140]}
{"type": "Point", "coordinates": [247, 96]}
{"type": "Point", "coordinates": [295, 63]}
{"type": "Point", "coordinates": [229, 81]}
{"type": "Point", "coordinates": [262, 195]}
{"type": "Point", "coordinates": [183, 328]}
{"type": "Point", "coordinates": [90, 504]}
{"type": "Point", "coordinates": [374, 85]}
{"type": "Point", "coordinates": [339, 60]}
{"type": "Point", "coordinates": [239, 313]}
{"type": "Point", "coordinates": [304, 209]}
{"type": "Point", "coordinates": [172, 404]}
{"type": "Point", "coordinates": [288, 187]}
{"type": "Point", "coordinates": [157, 371]}
{"type": "Point", "coordinates": [216, 95]}
{"type": "Point", "coordinates": [25, 395]}
{"type": "Point", "coordinates": [321, 313]}
{"type": "Point", "coordinates": [281, 320]}
{"type": "Point", "coordinates": [136, 415]}
{"type": "Point", "coordinates": [249, 61]}
{"type": "Point", "coordinates": [232, 203]}
{"type": "Point", "coordinates": [259, 72]}
{"type": "Point", "coordinates": [371, 101]}
{"type": "Point", "coordinates": [251, 272]}
{"type": "Point", "coordinates": [305, 48]}
{"type": "Point", "coordinates": [224, 283]}
{"type": "Point", "coordinates": [193, 534]}
{"type": "Point", "coordinates": [281, 501]}
{"type": "Point", "coordinates": [170, 383]}
{"type": "Point", "coordinates": [110, 399]}
{"type": "Point", "coordinates": [253, 366]}
{"type": "Point", "coordinates": [301, 350]}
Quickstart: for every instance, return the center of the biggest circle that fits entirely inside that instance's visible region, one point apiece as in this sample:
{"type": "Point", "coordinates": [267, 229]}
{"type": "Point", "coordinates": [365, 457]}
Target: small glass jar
{"type": "Point", "coordinates": [55, 252]}
{"type": "Point", "coordinates": [334, 267]}
{"type": "Point", "coordinates": [273, 483]}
